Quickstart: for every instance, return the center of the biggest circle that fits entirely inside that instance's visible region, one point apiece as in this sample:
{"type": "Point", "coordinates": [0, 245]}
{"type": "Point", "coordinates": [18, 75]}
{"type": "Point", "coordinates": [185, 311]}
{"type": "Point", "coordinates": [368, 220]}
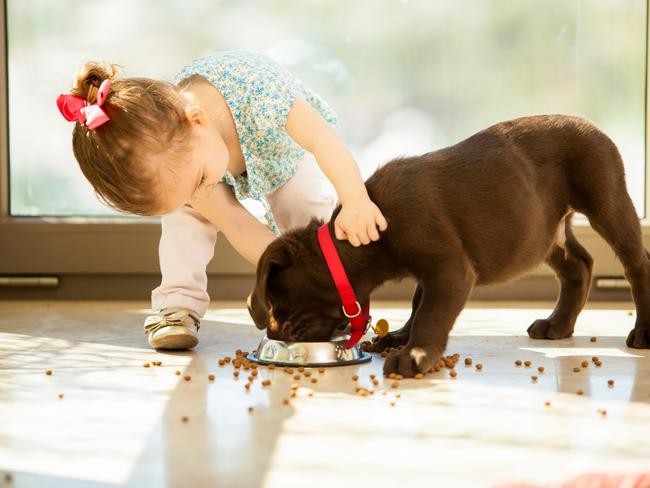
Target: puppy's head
{"type": "Point", "coordinates": [294, 297]}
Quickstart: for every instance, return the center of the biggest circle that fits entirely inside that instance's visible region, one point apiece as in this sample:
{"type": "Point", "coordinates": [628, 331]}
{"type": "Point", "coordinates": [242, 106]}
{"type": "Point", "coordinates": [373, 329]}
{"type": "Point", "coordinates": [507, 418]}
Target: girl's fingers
{"type": "Point", "coordinates": [354, 240]}
{"type": "Point", "coordinates": [381, 221]}
{"type": "Point", "coordinates": [372, 231]}
{"type": "Point", "coordinates": [338, 232]}
{"type": "Point", "coordinates": [363, 237]}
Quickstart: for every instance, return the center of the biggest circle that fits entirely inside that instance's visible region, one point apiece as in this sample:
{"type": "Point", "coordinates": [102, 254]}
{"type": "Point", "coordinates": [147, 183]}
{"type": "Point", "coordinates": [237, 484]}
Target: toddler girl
{"type": "Point", "coordinates": [232, 125]}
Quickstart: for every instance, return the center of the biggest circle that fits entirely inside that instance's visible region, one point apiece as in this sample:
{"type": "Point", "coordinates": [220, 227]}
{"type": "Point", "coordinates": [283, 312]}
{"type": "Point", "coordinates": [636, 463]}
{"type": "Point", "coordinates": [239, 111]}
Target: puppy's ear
{"type": "Point", "coordinates": [279, 255]}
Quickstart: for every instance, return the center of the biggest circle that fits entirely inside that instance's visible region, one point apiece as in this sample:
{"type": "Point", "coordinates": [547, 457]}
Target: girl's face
{"type": "Point", "coordinates": [203, 166]}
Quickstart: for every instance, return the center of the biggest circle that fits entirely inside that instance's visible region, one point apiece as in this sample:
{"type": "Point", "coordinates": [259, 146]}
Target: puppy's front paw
{"type": "Point", "coordinates": [639, 338]}
{"type": "Point", "coordinates": [410, 361]}
{"type": "Point", "coordinates": [392, 339]}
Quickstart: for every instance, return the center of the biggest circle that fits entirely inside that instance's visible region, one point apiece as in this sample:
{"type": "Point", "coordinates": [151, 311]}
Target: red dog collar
{"type": "Point", "coordinates": [359, 315]}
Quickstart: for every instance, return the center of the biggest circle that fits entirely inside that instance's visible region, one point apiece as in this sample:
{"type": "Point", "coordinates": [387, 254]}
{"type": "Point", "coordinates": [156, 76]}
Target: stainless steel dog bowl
{"type": "Point", "coordinates": [332, 353]}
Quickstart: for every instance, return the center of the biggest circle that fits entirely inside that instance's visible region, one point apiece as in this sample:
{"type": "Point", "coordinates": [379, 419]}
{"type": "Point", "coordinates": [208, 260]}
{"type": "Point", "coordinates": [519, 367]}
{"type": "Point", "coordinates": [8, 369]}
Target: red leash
{"type": "Point", "coordinates": [359, 315]}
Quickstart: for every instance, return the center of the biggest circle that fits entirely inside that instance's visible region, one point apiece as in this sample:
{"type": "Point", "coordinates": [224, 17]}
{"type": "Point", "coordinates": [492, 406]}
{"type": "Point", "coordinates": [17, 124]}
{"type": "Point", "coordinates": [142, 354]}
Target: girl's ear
{"type": "Point", "coordinates": [196, 115]}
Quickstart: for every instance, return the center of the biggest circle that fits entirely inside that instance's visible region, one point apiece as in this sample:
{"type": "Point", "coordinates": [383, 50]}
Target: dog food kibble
{"type": "Point", "coordinates": [293, 394]}
{"type": "Point", "coordinates": [253, 366]}
{"type": "Point", "coordinates": [479, 366]}
{"type": "Point", "coordinates": [145, 365]}
{"type": "Point", "coordinates": [301, 369]}
{"type": "Point", "coordinates": [250, 409]}
{"type": "Point", "coordinates": [254, 373]}
{"type": "Point", "coordinates": [453, 373]}
{"type": "Point", "coordinates": [580, 392]}
{"type": "Point", "coordinates": [375, 382]}
{"type": "Point", "coordinates": [584, 364]}
{"type": "Point", "coordinates": [247, 386]}
{"type": "Point", "coordinates": [394, 384]}
{"type": "Point", "coordinates": [595, 359]}
{"type": "Point", "coordinates": [468, 361]}
{"type": "Point", "coordinates": [60, 396]}
{"type": "Point", "coordinates": [355, 377]}
{"type": "Point", "coordinates": [527, 364]}
{"type": "Point", "coordinates": [49, 372]}
{"type": "Point", "coordinates": [321, 370]}
{"type": "Point", "coordinates": [221, 362]}
{"type": "Point", "coordinates": [314, 380]}
{"type": "Point", "coordinates": [227, 359]}
{"type": "Point", "coordinates": [310, 394]}
{"type": "Point", "coordinates": [547, 404]}
{"type": "Point", "coordinates": [602, 412]}
{"type": "Point", "coordinates": [271, 366]}
{"type": "Point", "coordinates": [540, 369]}
{"type": "Point", "coordinates": [419, 376]}
{"type": "Point", "coordinates": [211, 377]}
{"type": "Point", "coordinates": [307, 374]}
{"type": "Point", "coordinates": [251, 378]}
{"type": "Point", "coordinates": [593, 339]}
{"type": "Point", "coordinates": [285, 401]}
{"type": "Point", "coordinates": [295, 386]}
{"type": "Point", "coordinates": [177, 373]}
{"type": "Point", "coordinates": [185, 418]}
{"type": "Point", "coordinates": [610, 382]}
{"type": "Point", "coordinates": [235, 373]}
{"type": "Point", "coordinates": [296, 376]}
{"type": "Point", "coordinates": [266, 382]}
{"type": "Point", "coordinates": [630, 313]}
{"type": "Point", "coordinates": [518, 362]}
{"type": "Point", "coordinates": [187, 377]}
{"type": "Point", "coordinates": [576, 370]}
{"type": "Point", "coordinates": [372, 376]}
{"type": "Point", "coordinates": [534, 378]}
{"type": "Point", "coordinates": [598, 364]}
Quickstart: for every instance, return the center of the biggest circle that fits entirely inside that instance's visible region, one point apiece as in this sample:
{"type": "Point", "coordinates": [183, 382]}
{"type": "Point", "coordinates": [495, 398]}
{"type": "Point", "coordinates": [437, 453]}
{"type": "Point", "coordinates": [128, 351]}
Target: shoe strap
{"type": "Point", "coordinates": [170, 316]}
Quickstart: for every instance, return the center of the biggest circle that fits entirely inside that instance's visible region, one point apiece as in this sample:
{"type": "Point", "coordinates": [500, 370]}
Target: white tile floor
{"type": "Point", "coordinates": [119, 424]}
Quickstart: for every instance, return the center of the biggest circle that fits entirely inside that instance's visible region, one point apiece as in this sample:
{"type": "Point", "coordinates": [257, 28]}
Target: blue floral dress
{"type": "Point", "coordinates": [259, 93]}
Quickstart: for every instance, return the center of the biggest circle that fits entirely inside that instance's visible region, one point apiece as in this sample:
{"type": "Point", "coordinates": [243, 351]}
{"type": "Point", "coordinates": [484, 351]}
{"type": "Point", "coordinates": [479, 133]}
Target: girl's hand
{"type": "Point", "coordinates": [358, 221]}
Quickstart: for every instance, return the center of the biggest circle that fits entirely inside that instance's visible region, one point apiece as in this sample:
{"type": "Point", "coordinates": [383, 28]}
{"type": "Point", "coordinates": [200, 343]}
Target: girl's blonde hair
{"type": "Point", "coordinates": [146, 118]}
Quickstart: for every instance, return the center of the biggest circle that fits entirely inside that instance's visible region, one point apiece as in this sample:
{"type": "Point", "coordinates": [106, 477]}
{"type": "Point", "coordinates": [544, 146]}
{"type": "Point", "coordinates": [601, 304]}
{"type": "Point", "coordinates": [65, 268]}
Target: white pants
{"type": "Point", "coordinates": [187, 240]}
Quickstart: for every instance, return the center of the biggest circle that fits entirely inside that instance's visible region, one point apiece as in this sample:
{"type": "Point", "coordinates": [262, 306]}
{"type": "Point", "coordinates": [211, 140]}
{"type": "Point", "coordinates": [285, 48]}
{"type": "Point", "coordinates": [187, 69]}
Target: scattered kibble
{"type": "Point", "coordinates": [593, 339]}
{"type": "Point", "coordinates": [527, 364]}
{"type": "Point", "coordinates": [534, 378]}
{"type": "Point", "coordinates": [394, 384]}
{"type": "Point", "coordinates": [296, 376]}
{"type": "Point", "coordinates": [221, 362]}
{"type": "Point", "coordinates": [185, 418]}
{"type": "Point", "coordinates": [602, 412]}
{"type": "Point", "coordinates": [547, 403]}
{"type": "Point", "coordinates": [271, 366]}
{"type": "Point", "coordinates": [49, 372]}
{"type": "Point", "coordinates": [146, 365]}
{"type": "Point", "coordinates": [60, 396]}
{"type": "Point", "coordinates": [419, 376]}
{"type": "Point", "coordinates": [595, 359]}
{"type": "Point", "coordinates": [235, 373]}
{"type": "Point", "coordinates": [610, 382]}
{"type": "Point", "coordinates": [254, 373]}
{"type": "Point", "coordinates": [355, 377]}
{"type": "Point", "coordinates": [187, 377]}
{"type": "Point", "coordinates": [630, 313]}
{"type": "Point", "coordinates": [392, 404]}
{"type": "Point", "coordinates": [211, 377]}
{"type": "Point", "coordinates": [307, 374]}
{"type": "Point", "coordinates": [314, 380]}
{"type": "Point", "coordinates": [584, 364]}
{"type": "Point", "coordinates": [479, 366]}
{"type": "Point", "coordinates": [372, 376]}
{"type": "Point", "coordinates": [540, 369]}
{"type": "Point", "coordinates": [453, 373]}
{"type": "Point", "coordinates": [177, 373]}
{"type": "Point", "coordinates": [468, 361]}
{"type": "Point", "coordinates": [310, 394]}
{"type": "Point", "coordinates": [598, 364]}
{"type": "Point", "coordinates": [266, 382]}
{"type": "Point", "coordinates": [250, 409]}
{"type": "Point", "coordinates": [247, 386]}
{"type": "Point", "coordinates": [518, 362]}
{"type": "Point", "coordinates": [301, 369]}
{"type": "Point", "coordinates": [321, 370]}
{"type": "Point", "coordinates": [580, 392]}
{"type": "Point", "coordinates": [576, 370]}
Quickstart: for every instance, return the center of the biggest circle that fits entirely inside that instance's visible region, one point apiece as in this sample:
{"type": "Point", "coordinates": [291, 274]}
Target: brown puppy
{"type": "Point", "coordinates": [482, 211]}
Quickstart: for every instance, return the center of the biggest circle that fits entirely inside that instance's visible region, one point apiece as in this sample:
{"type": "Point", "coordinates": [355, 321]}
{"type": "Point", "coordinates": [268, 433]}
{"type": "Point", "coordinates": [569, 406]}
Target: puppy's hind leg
{"type": "Point", "coordinates": [572, 265]}
{"type": "Point", "coordinates": [401, 336]}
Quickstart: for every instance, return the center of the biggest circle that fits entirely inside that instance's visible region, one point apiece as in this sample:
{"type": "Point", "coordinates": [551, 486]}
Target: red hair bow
{"type": "Point", "coordinates": [74, 108]}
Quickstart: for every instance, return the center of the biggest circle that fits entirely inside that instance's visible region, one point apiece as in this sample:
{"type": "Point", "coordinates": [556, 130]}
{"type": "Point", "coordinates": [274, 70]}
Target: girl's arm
{"type": "Point", "coordinates": [359, 216]}
{"type": "Point", "coordinates": [245, 233]}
